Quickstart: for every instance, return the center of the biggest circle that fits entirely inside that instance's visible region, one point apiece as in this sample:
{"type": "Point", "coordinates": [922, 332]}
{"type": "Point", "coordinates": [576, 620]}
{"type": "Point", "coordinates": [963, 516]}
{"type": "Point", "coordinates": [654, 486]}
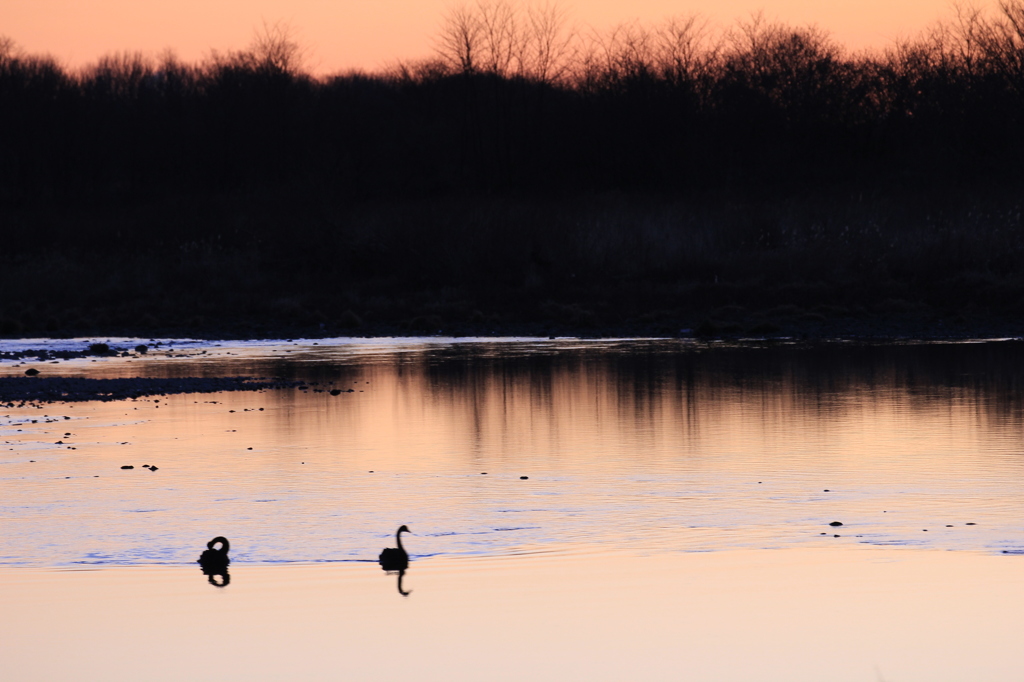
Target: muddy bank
{"type": "Point", "coordinates": [19, 390]}
{"type": "Point", "coordinates": [87, 350]}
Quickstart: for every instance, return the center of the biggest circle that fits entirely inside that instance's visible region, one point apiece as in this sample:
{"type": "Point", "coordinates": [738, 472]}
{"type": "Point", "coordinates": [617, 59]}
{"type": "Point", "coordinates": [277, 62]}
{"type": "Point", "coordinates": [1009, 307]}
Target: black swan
{"type": "Point", "coordinates": [215, 561]}
{"type": "Point", "coordinates": [392, 559]}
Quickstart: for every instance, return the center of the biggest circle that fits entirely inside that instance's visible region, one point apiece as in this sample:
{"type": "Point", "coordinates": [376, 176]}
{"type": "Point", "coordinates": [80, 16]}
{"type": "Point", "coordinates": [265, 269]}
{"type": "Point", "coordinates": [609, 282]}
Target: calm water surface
{"type": "Point", "coordinates": [668, 481]}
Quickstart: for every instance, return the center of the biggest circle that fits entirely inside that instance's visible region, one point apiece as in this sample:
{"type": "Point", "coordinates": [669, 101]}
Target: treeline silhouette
{"type": "Point", "coordinates": [527, 164]}
{"type": "Point", "coordinates": [669, 108]}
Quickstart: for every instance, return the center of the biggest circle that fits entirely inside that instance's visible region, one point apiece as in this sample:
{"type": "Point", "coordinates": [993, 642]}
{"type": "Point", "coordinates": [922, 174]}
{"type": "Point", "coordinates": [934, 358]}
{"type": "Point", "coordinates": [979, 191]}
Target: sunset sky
{"type": "Point", "coordinates": [346, 34]}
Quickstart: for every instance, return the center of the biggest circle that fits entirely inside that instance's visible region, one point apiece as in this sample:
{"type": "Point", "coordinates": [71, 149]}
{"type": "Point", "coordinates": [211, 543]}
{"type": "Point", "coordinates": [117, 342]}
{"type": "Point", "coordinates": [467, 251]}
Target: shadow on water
{"type": "Point", "coordinates": [214, 561]}
{"type": "Point", "coordinates": [396, 559]}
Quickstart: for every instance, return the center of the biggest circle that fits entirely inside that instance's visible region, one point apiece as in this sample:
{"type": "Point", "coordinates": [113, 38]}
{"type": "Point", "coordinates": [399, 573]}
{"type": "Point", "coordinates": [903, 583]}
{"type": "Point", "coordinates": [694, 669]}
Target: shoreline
{"type": "Point", "coordinates": [35, 383]}
{"type": "Point", "coordinates": [869, 330]}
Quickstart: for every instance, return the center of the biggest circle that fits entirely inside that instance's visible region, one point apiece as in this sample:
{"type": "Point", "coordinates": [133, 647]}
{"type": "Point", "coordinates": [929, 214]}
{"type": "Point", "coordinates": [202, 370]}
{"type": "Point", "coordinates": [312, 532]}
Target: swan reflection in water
{"type": "Point", "coordinates": [214, 562]}
{"type": "Point", "coordinates": [396, 559]}
{"type": "Point", "coordinates": [404, 593]}
{"type": "Point", "coordinates": [218, 579]}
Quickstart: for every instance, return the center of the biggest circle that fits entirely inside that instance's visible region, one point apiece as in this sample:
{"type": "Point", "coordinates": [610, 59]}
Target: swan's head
{"type": "Point", "coordinates": [404, 529]}
{"type": "Point", "coordinates": [225, 545]}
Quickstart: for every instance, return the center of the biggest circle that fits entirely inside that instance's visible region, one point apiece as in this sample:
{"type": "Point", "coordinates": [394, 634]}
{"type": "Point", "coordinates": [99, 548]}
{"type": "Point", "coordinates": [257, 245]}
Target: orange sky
{"type": "Point", "coordinates": [343, 34]}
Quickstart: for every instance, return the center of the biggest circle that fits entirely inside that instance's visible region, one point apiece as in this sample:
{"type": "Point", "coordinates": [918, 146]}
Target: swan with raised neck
{"type": "Point", "coordinates": [395, 558]}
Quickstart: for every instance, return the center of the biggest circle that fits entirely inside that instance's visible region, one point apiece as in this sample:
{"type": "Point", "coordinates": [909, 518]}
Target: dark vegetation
{"type": "Point", "coordinates": [530, 178]}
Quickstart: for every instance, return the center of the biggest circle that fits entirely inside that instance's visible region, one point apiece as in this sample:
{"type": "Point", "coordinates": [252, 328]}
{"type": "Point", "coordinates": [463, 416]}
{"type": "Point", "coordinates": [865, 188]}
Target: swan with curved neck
{"type": "Point", "coordinates": [395, 559]}
{"type": "Point", "coordinates": [215, 560]}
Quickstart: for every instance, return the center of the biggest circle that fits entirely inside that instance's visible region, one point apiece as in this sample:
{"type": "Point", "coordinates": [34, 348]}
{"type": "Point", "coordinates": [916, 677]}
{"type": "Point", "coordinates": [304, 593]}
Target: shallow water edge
{"type": "Point", "coordinates": [793, 615]}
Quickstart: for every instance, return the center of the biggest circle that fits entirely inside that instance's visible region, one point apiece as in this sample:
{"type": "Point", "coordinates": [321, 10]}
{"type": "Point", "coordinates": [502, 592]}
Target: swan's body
{"type": "Point", "coordinates": [395, 559]}
{"type": "Point", "coordinates": [215, 561]}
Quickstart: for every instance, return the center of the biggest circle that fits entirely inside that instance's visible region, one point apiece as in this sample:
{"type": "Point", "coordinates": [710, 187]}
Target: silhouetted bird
{"type": "Point", "coordinates": [215, 561]}
{"type": "Point", "coordinates": [392, 559]}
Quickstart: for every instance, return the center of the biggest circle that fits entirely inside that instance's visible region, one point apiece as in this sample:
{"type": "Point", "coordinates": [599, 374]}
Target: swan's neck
{"type": "Point", "coordinates": [398, 539]}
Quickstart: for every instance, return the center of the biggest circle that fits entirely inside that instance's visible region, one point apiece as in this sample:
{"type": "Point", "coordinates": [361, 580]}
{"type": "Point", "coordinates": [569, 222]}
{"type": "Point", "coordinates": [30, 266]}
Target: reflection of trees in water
{"type": "Point", "coordinates": [643, 381]}
{"type": "Point", "coordinates": [490, 388]}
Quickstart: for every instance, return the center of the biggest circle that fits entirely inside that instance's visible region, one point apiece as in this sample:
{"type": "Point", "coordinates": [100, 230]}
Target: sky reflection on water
{"type": "Point", "coordinates": [642, 447]}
